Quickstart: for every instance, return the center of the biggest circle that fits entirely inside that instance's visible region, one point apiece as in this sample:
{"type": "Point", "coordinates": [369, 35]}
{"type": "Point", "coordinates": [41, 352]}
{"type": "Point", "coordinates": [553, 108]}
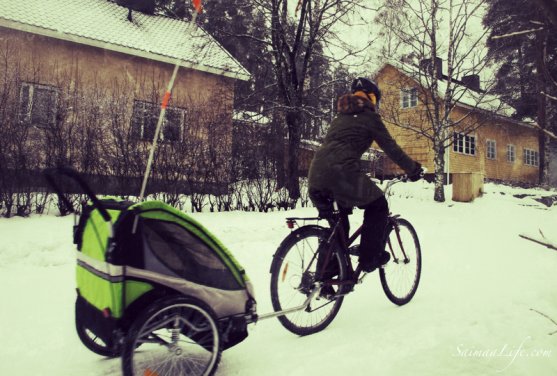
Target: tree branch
{"type": "Point", "coordinates": [549, 96]}
{"type": "Point", "coordinates": [517, 33]}
{"type": "Point", "coordinates": [547, 317]}
{"type": "Point", "coordinates": [549, 133]}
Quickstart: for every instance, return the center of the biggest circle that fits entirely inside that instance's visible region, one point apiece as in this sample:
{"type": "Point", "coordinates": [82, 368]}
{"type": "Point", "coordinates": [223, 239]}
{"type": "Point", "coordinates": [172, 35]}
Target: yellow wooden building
{"type": "Point", "coordinates": [486, 140]}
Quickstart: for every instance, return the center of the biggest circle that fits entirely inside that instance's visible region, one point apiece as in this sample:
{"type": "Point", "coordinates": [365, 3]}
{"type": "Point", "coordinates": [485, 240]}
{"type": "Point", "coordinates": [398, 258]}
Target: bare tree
{"type": "Point", "coordinates": [34, 133]}
{"type": "Point", "coordinates": [422, 30]}
{"type": "Point", "coordinates": [298, 30]}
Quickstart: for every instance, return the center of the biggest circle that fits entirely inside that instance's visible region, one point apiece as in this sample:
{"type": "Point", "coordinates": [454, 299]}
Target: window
{"type": "Point", "coordinates": [174, 251]}
{"type": "Point", "coordinates": [491, 149]}
{"type": "Point", "coordinates": [37, 104]}
{"type": "Point", "coordinates": [511, 153]}
{"type": "Point", "coordinates": [408, 98]}
{"type": "Point", "coordinates": [465, 144]}
{"type": "Point", "coordinates": [145, 117]}
{"type": "Point", "coordinates": [531, 158]}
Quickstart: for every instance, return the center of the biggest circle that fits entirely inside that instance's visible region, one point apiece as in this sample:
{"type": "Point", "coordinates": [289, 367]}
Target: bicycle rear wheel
{"type": "Point", "coordinates": [293, 274]}
{"type": "Point", "coordinates": [401, 275]}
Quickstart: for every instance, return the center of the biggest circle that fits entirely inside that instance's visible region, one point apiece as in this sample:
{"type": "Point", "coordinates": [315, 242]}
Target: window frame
{"type": "Point", "coordinates": [531, 157]}
{"type": "Point", "coordinates": [150, 110]}
{"type": "Point", "coordinates": [26, 114]}
{"type": "Point", "coordinates": [491, 154]}
{"type": "Point", "coordinates": [471, 139]}
{"type": "Point", "coordinates": [408, 97]}
{"type": "Point", "coordinates": [511, 153]}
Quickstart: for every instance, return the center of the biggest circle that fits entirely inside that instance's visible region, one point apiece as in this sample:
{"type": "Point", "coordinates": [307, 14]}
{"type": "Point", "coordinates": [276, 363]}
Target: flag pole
{"type": "Point", "coordinates": [164, 105]}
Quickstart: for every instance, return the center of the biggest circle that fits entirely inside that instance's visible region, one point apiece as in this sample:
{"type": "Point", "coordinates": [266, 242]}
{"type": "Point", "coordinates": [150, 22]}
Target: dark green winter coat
{"type": "Point", "coordinates": [335, 169]}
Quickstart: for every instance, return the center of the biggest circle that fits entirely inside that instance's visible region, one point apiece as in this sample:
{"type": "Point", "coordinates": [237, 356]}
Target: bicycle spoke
{"type": "Point", "coordinates": [400, 277]}
{"type": "Point", "coordinates": [175, 339]}
{"type": "Point", "coordinates": [293, 279]}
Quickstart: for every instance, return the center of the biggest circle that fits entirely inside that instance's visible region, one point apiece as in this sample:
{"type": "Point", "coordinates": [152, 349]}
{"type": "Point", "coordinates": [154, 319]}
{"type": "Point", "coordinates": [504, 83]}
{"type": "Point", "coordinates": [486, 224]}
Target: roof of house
{"type": "Point", "coordinates": [463, 96]}
{"type": "Point", "coordinates": [104, 24]}
{"type": "Point", "coordinates": [250, 117]}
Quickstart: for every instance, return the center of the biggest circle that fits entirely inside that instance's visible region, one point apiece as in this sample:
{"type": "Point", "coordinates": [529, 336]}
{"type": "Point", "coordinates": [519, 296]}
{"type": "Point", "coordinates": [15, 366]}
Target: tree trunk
{"type": "Point", "coordinates": [439, 166]}
{"type": "Point", "coordinates": [278, 139]}
{"type": "Point", "coordinates": [543, 141]}
{"type": "Point", "coordinates": [293, 120]}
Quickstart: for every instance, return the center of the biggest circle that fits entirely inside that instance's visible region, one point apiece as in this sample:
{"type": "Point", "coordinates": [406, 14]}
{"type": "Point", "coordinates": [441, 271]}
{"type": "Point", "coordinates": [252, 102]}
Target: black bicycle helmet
{"type": "Point", "coordinates": [367, 86]}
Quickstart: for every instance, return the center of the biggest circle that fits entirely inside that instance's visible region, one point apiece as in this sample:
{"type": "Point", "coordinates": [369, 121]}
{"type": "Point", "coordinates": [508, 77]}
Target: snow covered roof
{"type": "Point", "coordinates": [464, 96]}
{"type": "Point", "coordinates": [104, 24]}
{"type": "Point", "coordinates": [251, 117]}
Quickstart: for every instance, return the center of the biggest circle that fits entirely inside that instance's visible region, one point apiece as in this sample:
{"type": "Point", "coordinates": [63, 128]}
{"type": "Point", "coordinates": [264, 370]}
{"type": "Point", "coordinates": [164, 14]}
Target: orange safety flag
{"type": "Point", "coordinates": [165, 99]}
{"type": "Point", "coordinates": [198, 6]}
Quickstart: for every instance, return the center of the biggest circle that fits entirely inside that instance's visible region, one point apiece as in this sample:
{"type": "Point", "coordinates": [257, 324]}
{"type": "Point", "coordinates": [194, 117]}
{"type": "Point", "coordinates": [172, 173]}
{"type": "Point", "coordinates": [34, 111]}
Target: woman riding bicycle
{"type": "Point", "coordinates": [335, 172]}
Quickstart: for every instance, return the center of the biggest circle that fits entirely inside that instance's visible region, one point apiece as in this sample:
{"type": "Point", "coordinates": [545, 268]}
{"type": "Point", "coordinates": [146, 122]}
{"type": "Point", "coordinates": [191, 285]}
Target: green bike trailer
{"type": "Point", "coordinates": [130, 255]}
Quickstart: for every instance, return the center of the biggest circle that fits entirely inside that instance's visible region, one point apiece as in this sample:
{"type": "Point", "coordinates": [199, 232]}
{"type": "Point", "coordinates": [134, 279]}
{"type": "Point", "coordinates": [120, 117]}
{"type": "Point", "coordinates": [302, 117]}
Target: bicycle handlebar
{"type": "Point", "coordinates": [73, 174]}
{"type": "Point", "coordinates": [401, 178]}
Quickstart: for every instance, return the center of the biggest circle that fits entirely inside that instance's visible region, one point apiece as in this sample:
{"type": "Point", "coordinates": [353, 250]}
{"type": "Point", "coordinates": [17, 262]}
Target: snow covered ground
{"type": "Point", "coordinates": [473, 313]}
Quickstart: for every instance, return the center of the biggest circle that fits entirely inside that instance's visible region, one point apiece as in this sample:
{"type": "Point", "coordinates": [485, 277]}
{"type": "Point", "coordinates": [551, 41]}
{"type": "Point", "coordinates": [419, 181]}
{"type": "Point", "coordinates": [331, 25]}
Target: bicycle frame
{"type": "Point", "coordinates": [314, 267]}
{"type": "Point", "coordinates": [338, 237]}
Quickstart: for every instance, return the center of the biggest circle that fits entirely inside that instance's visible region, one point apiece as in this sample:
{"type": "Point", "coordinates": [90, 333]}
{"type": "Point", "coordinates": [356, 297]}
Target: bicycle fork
{"type": "Point", "coordinates": [396, 228]}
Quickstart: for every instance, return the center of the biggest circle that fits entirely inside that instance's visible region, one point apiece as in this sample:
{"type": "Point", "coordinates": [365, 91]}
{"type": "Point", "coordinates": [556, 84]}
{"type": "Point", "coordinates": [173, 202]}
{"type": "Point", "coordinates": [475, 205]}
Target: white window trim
{"type": "Point", "coordinates": [406, 93]}
{"type": "Point", "coordinates": [470, 135]}
{"type": "Point", "coordinates": [513, 148]}
{"type": "Point", "coordinates": [161, 135]}
{"type": "Point", "coordinates": [29, 109]}
{"type": "Point", "coordinates": [182, 123]}
{"type": "Point", "coordinates": [528, 155]}
{"type": "Point", "coordinates": [489, 142]}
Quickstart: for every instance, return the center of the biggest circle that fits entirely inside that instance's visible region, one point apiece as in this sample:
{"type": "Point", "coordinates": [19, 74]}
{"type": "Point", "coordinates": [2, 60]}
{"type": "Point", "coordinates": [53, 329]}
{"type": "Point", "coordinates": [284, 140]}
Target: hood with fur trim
{"type": "Point", "coordinates": [352, 104]}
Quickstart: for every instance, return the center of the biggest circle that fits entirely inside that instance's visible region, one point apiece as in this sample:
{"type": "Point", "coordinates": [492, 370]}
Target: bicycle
{"type": "Point", "coordinates": [301, 269]}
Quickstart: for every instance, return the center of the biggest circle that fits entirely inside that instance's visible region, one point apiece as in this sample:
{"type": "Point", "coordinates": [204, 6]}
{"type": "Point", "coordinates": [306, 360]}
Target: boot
{"type": "Point", "coordinates": [354, 250]}
{"type": "Point", "coordinates": [377, 261]}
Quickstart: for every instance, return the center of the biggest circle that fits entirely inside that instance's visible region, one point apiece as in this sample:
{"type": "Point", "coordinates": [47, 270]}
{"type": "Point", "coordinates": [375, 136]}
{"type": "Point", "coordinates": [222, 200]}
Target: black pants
{"type": "Point", "coordinates": [372, 241]}
{"type": "Point", "coordinates": [373, 228]}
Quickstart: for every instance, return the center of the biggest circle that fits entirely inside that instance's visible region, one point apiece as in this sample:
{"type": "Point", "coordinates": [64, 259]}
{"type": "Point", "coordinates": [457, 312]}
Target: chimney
{"type": "Point", "coordinates": [472, 82]}
{"type": "Point", "coordinates": [427, 66]}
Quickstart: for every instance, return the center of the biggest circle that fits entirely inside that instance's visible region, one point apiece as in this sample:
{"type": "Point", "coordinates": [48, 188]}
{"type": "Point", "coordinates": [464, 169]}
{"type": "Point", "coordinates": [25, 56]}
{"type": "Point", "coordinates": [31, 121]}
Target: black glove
{"type": "Point", "coordinates": [417, 174]}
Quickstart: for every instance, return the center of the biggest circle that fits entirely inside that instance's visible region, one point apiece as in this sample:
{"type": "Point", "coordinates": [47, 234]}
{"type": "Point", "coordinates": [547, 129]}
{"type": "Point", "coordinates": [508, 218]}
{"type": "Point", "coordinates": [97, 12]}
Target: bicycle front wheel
{"type": "Point", "coordinates": [401, 275]}
{"type": "Point", "coordinates": [293, 275]}
{"type": "Point", "coordinates": [174, 336]}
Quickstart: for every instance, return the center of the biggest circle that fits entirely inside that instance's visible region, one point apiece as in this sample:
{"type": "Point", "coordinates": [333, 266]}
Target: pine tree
{"type": "Point", "coordinates": [516, 82]}
{"type": "Point", "coordinates": [523, 43]}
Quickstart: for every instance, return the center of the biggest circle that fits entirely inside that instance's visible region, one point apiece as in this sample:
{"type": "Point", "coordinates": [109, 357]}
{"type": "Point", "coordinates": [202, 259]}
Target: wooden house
{"type": "Point", "coordinates": [87, 67]}
{"type": "Point", "coordinates": [485, 141]}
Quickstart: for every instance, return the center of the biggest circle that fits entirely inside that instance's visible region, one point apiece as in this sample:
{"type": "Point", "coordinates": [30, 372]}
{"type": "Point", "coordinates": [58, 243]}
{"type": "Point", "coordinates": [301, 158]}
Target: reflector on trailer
{"type": "Point", "coordinates": [106, 313]}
